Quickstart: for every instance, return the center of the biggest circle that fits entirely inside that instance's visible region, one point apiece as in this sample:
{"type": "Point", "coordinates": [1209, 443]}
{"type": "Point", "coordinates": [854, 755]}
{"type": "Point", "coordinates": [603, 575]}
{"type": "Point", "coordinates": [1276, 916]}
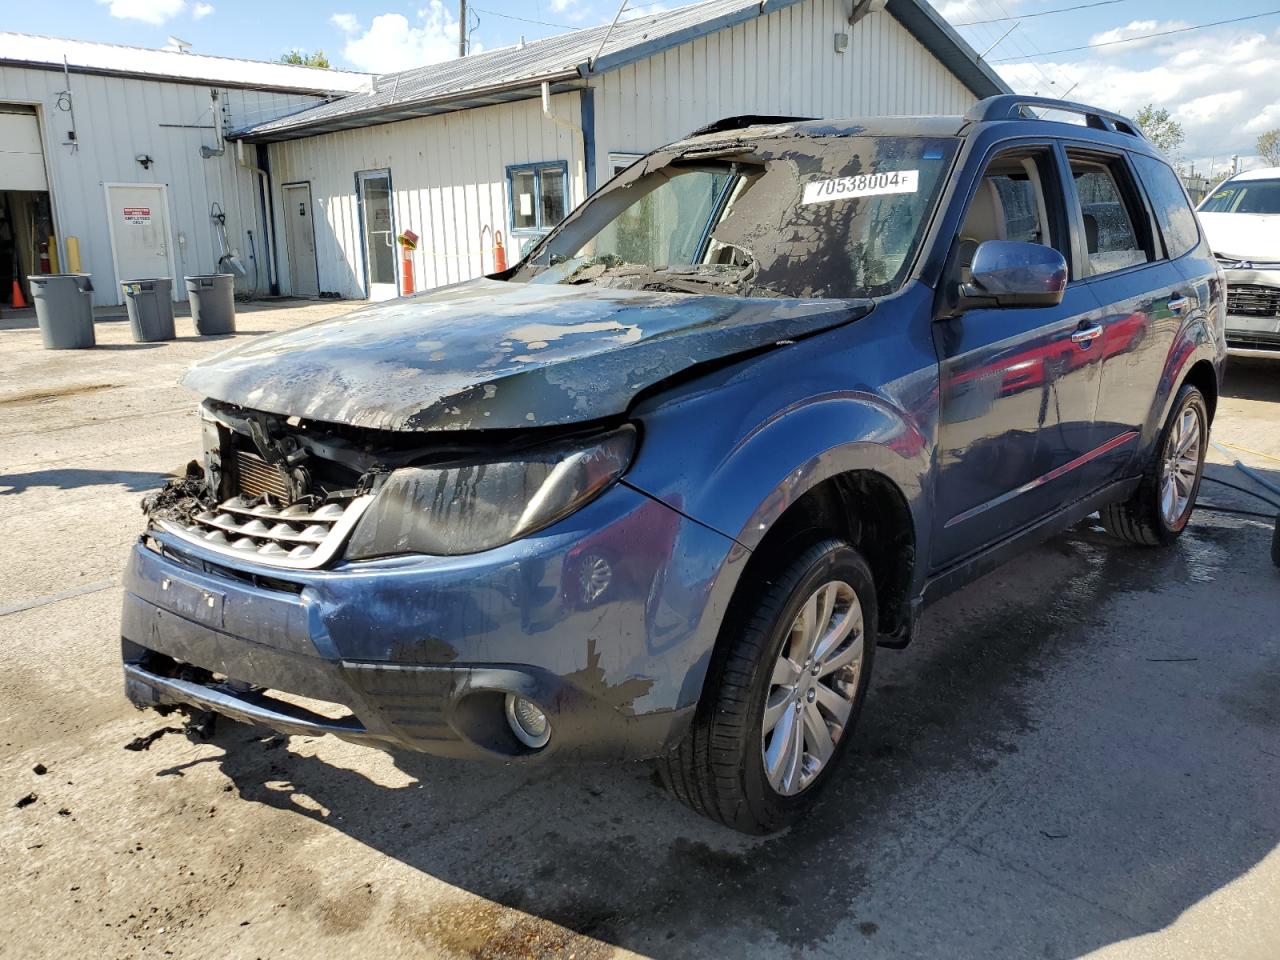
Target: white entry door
{"type": "Point", "coordinates": [139, 218]}
{"type": "Point", "coordinates": [378, 222]}
{"type": "Point", "coordinates": [300, 237]}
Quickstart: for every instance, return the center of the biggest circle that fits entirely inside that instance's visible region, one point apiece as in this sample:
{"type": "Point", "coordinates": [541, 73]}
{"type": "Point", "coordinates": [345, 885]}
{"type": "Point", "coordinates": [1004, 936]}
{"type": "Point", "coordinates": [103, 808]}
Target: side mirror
{"type": "Point", "coordinates": [1009, 273]}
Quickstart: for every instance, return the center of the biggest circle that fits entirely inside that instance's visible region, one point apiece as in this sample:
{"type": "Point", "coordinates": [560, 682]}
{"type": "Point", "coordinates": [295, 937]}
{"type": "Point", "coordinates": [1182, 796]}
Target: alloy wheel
{"type": "Point", "coordinates": [1180, 464]}
{"type": "Point", "coordinates": [813, 687]}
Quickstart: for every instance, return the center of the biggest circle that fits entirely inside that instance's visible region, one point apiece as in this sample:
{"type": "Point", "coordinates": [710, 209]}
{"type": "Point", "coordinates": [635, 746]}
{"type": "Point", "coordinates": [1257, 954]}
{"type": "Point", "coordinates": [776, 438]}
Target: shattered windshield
{"type": "Point", "coordinates": [833, 217]}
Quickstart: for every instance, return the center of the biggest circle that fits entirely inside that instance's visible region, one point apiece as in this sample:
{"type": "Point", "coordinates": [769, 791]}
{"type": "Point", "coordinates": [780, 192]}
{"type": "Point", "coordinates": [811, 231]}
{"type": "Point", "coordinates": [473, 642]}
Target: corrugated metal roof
{"type": "Point", "coordinates": [85, 56]}
{"type": "Point", "coordinates": [510, 73]}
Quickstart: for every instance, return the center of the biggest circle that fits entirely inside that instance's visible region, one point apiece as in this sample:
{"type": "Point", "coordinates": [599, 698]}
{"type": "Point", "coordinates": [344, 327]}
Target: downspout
{"type": "Point", "coordinates": [860, 8]}
{"type": "Point", "coordinates": [568, 125]}
{"type": "Point", "coordinates": [216, 108]}
{"type": "Point", "coordinates": [264, 187]}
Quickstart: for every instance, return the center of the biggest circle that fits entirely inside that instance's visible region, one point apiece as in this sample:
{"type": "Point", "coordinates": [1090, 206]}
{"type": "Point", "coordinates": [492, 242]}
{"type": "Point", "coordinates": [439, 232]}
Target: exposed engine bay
{"type": "Point", "coordinates": [291, 492]}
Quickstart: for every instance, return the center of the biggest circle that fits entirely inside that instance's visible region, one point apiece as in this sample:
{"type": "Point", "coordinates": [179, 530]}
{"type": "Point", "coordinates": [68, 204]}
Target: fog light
{"type": "Point", "coordinates": [527, 721]}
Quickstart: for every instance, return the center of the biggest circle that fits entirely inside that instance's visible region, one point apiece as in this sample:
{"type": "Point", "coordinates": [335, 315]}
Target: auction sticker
{"type": "Point", "coordinates": [861, 185]}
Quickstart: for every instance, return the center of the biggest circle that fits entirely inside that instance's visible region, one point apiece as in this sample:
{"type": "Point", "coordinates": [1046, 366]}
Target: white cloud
{"type": "Point", "coordinates": [201, 10]}
{"type": "Point", "coordinates": [1217, 84]}
{"type": "Point", "coordinates": [392, 43]}
{"type": "Point", "coordinates": [575, 11]}
{"type": "Point", "coordinates": [637, 12]}
{"type": "Point", "coordinates": [346, 22]}
{"type": "Point", "coordinates": [966, 11]}
{"type": "Point", "coordinates": [148, 11]}
{"type": "Point", "coordinates": [1135, 28]}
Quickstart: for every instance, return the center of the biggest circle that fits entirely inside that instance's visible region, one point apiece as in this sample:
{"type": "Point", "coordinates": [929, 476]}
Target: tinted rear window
{"type": "Point", "coordinates": [1173, 211]}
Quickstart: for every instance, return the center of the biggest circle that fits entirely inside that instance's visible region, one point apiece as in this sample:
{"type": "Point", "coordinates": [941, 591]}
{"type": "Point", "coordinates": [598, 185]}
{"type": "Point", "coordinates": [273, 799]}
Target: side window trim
{"type": "Point", "coordinates": [1078, 262]}
{"type": "Point", "coordinates": [1158, 249]}
{"type": "Point", "coordinates": [1150, 239]}
{"type": "Point", "coordinates": [1186, 199]}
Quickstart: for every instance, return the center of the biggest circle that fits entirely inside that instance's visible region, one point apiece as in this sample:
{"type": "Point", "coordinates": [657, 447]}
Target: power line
{"type": "Point", "coordinates": [1042, 13]}
{"type": "Point", "coordinates": [1145, 36]}
{"type": "Point", "coordinates": [509, 16]}
{"type": "Point", "coordinates": [1019, 42]}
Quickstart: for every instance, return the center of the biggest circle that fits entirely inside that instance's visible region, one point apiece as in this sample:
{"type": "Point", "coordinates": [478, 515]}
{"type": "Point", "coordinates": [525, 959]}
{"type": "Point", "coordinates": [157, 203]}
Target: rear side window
{"type": "Point", "coordinates": [1110, 218]}
{"type": "Point", "coordinates": [1173, 211]}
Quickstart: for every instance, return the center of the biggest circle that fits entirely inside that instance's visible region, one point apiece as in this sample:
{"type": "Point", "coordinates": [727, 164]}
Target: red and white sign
{"type": "Point", "coordinates": [137, 214]}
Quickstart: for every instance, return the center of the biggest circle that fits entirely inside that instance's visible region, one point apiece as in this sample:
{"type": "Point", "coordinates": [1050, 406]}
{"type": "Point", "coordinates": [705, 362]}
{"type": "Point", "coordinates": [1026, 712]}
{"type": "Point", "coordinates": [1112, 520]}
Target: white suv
{"type": "Point", "coordinates": [1242, 222]}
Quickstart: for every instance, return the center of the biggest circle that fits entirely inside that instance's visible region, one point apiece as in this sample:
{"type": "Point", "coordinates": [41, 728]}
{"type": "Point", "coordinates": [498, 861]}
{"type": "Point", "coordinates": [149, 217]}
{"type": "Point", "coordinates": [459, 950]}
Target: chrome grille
{"type": "Point", "coordinates": [254, 477]}
{"type": "Point", "coordinates": [294, 536]}
{"type": "Point", "coordinates": [1253, 300]}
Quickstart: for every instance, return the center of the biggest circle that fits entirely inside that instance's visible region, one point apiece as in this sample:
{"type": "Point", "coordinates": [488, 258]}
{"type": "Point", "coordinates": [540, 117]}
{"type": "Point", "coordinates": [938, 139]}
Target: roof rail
{"type": "Point", "coordinates": [747, 120]}
{"type": "Point", "coordinates": [1013, 106]}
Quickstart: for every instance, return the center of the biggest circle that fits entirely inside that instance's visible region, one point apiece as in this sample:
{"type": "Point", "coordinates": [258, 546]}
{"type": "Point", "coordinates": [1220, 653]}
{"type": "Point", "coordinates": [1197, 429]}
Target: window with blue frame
{"type": "Point", "coordinates": [538, 194]}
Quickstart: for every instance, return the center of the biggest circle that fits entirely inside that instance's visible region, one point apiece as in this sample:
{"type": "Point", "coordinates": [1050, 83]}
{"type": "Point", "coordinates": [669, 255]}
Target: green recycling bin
{"type": "Point", "coordinates": [64, 310]}
{"type": "Point", "coordinates": [213, 303]}
{"type": "Point", "coordinates": [150, 306]}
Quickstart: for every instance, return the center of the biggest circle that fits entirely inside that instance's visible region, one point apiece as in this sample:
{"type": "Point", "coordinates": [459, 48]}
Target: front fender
{"type": "Point", "coordinates": [741, 489]}
{"type": "Point", "coordinates": [737, 446]}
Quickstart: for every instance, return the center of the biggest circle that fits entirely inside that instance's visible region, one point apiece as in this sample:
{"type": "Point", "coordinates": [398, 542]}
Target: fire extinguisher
{"type": "Point", "coordinates": [408, 243]}
{"type": "Point", "coordinates": [499, 253]}
{"type": "Point", "coordinates": [44, 259]}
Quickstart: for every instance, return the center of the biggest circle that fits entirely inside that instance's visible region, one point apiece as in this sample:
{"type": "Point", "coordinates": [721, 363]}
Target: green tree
{"type": "Point", "coordinates": [1161, 129]}
{"type": "Point", "coordinates": [1269, 147]}
{"type": "Point", "coordinates": [300, 58]}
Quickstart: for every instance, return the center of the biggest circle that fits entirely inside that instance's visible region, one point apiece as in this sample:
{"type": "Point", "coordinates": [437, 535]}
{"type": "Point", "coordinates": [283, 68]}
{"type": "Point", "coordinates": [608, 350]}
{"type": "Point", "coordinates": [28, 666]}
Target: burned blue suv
{"type": "Point", "coordinates": [662, 489]}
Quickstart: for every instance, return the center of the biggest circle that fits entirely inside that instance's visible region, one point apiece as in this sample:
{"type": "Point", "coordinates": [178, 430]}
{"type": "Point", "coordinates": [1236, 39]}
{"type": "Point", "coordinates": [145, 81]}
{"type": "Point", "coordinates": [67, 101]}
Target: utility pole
{"type": "Point", "coordinates": [462, 28]}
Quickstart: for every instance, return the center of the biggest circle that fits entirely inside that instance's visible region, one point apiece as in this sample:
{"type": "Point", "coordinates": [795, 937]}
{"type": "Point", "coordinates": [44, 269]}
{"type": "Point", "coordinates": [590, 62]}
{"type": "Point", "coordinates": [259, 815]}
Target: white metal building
{"type": "Point", "coordinates": [508, 141]}
{"type": "Point", "coordinates": [117, 154]}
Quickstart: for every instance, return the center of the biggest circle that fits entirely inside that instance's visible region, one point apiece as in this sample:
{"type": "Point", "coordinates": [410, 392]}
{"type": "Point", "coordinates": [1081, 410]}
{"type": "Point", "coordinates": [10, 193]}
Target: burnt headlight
{"type": "Point", "coordinates": [451, 509]}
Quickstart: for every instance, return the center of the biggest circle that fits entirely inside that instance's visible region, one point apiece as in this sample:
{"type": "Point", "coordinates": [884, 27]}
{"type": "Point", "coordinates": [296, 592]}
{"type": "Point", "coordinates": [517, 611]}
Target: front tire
{"type": "Point", "coordinates": [783, 693]}
{"type": "Point", "coordinates": [1159, 509]}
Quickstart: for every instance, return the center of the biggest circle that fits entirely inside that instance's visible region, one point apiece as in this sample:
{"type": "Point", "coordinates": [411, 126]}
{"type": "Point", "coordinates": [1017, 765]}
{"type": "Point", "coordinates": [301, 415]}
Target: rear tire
{"type": "Point", "coordinates": [732, 766]}
{"type": "Point", "coordinates": [1158, 511]}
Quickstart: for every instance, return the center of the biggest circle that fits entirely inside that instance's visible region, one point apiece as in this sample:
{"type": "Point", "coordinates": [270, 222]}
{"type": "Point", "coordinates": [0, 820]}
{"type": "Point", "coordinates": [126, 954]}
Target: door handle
{"type": "Point", "coordinates": [1178, 304]}
{"type": "Point", "coordinates": [1087, 335]}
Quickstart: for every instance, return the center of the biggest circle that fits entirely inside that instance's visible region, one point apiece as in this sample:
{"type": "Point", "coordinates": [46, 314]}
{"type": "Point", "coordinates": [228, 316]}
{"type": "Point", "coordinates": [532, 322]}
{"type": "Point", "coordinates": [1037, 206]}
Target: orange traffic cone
{"type": "Point", "coordinates": [18, 301]}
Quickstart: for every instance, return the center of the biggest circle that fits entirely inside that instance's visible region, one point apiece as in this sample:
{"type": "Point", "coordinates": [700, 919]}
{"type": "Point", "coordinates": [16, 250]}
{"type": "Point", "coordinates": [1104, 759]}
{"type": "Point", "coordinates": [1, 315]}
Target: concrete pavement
{"type": "Point", "coordinates": [1079, 755]}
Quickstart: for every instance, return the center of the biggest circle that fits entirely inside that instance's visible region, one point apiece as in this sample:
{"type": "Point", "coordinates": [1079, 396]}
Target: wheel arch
{"type": "Point", "coordinates": [866, 509]}
{"type": "Point", "coordinates": [1204, 378]}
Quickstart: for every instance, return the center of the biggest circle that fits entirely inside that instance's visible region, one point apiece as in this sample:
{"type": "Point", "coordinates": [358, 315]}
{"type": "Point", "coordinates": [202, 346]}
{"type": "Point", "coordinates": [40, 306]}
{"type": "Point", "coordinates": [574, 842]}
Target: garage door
{"type": "Point", "coordinates": [21, 158]}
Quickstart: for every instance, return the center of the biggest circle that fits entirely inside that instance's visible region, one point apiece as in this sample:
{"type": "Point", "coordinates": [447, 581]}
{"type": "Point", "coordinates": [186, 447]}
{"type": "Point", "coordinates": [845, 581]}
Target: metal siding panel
{"type": "Point", "coordinates": [117, 119]}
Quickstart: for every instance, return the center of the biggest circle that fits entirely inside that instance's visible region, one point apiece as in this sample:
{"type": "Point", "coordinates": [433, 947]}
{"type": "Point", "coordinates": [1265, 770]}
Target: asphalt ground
{"type": "Point", "coordinates": [1080, 755]}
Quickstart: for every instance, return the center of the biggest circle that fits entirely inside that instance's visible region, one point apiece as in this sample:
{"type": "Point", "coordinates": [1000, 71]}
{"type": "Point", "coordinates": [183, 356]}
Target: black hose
{"type": "Point", "coordinates": [1236, 486]}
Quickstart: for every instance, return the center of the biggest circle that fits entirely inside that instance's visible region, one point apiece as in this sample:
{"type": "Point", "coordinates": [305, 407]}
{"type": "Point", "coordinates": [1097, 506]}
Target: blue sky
{"type": "Point", "coordinates": [1220, 82]}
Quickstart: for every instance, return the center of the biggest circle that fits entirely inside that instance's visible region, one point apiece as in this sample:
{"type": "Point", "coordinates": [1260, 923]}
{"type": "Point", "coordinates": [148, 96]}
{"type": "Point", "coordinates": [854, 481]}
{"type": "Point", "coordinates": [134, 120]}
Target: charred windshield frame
{"type": "Point", "coordinates": [771, 255]}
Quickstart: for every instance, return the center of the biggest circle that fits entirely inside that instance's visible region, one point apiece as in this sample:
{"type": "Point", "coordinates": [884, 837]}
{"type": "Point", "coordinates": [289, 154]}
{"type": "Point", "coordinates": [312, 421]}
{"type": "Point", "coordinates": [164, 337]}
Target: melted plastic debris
{"type": "Point", "coordinates": [180, 497]}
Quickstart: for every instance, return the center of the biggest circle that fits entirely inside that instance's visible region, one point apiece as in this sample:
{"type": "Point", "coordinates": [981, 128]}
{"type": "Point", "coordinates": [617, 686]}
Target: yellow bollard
{"type": "Point", "coordinates": [73, 255]}
{"type": "Point", "coordinates": [53, 254]}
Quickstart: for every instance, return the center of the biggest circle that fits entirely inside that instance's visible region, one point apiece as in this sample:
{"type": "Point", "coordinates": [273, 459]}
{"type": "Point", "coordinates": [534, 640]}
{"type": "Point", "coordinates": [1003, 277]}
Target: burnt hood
{"type": "Point", "coordinates": [490, 354]}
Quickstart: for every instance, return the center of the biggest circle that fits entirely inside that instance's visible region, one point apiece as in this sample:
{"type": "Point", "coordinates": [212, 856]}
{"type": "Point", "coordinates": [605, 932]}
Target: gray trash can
{"type": "Point", "coordinates": [213, 303]}
{"type": "Point", "coordinates": [64, 310]}
{"type": "Point", "coordinates": [150, 305]}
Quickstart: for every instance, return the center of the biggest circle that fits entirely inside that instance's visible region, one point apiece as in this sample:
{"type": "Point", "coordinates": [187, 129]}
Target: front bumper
{"type": "Point", "coordinates": [606, 620]}
{"type": "Point", "coordinates": [1251, 335]}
